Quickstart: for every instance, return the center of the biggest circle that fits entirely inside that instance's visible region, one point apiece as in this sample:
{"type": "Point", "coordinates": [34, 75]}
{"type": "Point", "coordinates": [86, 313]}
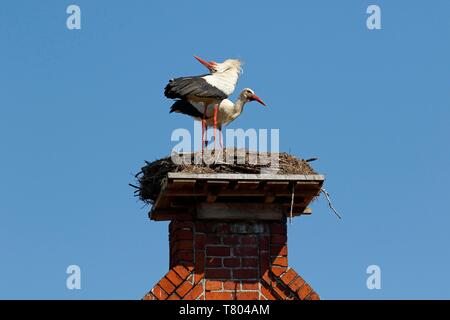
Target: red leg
{"type": "Point", "coordinates": [216, 108]}
{"type": "Point", "coordinates": [203, 136]}
{"type": "Point", "coordinates": [204, 130]}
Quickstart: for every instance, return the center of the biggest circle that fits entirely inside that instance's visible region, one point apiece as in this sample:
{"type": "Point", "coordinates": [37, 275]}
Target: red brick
{"type": "Point", "coordinates": [245, 251]}
{"type": "Point", "coordinates": [213, 285]}
{"type": "Point", "coordinates": [198, 276]}
{"type": "Point", "coordinates": [231, 239]}
{"type": "Point", "coordinates": [249, 262]}
{"type": "Point", "coordinates": [218, 251]}
{"type": "Point", "coordinates": [278, 270]}
{"type": "Point", "coordinates": [183, 235]}
{"type": "Point", "coordinates": [185, 287]}
{"type": "Point", "coordinates": [189, 267]}
{"type": "Point", "coordinates": [150, 296]}
{"type": "Point", "coordinates": [184, 256]}
{"type": "Point", "coordinates": [174, 225]}
{"type": "Point", "coordinates": [219, 296]}
{"type": "Point", "coordinates": [174, 296]}
{"type": "Point", "coordinates": [183, 245]}
{"type": "Point", "coordinates": [196, 292]}
{"type": "Point", "coordinates": [280, 261]}
{"type": "Point", "coordinates": [182, 216]}
{"type": "Point", "coordinates": [182, 271]}
{"type": "Point", "coordinates": [264, 242]}
{"type": "Point", "coordinates": [166, 285]}
{"type": "Point", "coordinates": [278, 239]}
{"type": "Point", "coordinates": [247, 295]}
{"type": "Point", "coordinates": [266, 277]}
{"type": "Point", "coordinates": [264, 261]}
{"type": "Point", "coordinates": [200, 226]}
{"type": "Point", "coordinates": [218, 273]}
{"type": "Point", "coordinates": [159, 293]}
{"type": "Point", "coordinates": [221, 228]}
{"type": "Point", "coordinates": [296, 284]}
{"type": "Point", "coordinates": [199, 261]}
{"type": "Point", "coordinates": [208, 227]}
{"type": "Point", "coordinates": [200, 240]}
{"type": "Point", "coordinates": [243, 266]}
{"type": "Point", "coordinates": [267, 293]}
{"type": "Point", "coordinates": [289, 276]}
{"type": "Point", "coordinates": [245, 273]}
{"type": "Point", "coordinates": [174, 278]}
{"type": "Point", "coordinates": [280, 291]}
{"type": "Point", "coordinates": [278, 251]}
{"type": "Point", "coordinates": [278, 228]}
{"type": "Point", "coordinates": [213, 239]}
{"type": "Point", "coordinates": [304, 291]}
{"type": "Point", "coordinates": [231, 285]}
{"type": "Point", "coordinates": [248, 240]}
{"type": "Point", "coordinates": [231, 262]}
{"type": "Point", "coordinates": [249, 285]}
{"type": "Point", "coordinates": [213, 262]}
{"type": "Point", "coordinates": [312, 296]}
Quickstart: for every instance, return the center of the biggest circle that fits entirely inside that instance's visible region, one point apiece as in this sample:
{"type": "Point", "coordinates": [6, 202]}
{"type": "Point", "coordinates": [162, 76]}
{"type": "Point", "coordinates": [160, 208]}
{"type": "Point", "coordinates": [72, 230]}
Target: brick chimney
{"type": "Point", "coordinates": [228, 236]}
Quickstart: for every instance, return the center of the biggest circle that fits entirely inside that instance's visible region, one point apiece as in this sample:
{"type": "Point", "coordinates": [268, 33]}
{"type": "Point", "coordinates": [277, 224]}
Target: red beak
{"type": "Point", "coordinates": [209, 65]}
{"type": "Point", "coordinates": [256, 98]}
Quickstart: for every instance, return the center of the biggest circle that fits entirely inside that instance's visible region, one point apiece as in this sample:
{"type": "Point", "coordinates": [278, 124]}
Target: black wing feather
{"type": "Point", "coordinates": [180, 88]}
{"type": "Point", "coordinates": [184, 107]}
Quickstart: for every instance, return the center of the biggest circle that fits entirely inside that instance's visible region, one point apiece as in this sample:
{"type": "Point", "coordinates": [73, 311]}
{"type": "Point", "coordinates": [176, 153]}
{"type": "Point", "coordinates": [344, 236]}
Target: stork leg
{"type": "Point", "coordinates": [203, 136]}
{"type": "Point", "coordinates": [216, 109]}
{"type": "Point", "coordinates": [221, 137]}
{"type": "Point", "coordinates": [204, 129]}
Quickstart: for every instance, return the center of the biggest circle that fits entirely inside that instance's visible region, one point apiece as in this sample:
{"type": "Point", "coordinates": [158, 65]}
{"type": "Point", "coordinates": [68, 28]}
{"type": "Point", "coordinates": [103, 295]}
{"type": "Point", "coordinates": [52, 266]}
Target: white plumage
{"type": "Point", "coordinates": [207, 90]}
{"type": "Point", "coordinates": [227, 111]}
{"type": "Point", "coordinates": [224, 76]}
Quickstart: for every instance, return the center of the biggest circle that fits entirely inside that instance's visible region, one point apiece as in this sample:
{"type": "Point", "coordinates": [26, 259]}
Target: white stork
{"type": "Point", "coordinates": [208, 89]}
{"type": "Point", "coordinates": [227, 112]}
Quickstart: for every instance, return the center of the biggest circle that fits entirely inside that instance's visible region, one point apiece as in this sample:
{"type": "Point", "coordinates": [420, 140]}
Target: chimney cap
{"type": "Point", "coordinates": [235, 196]}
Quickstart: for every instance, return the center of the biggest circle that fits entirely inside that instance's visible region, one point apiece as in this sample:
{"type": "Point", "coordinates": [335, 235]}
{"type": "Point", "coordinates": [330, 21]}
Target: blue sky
{"type": "Point", "coordinates": [81, 110]}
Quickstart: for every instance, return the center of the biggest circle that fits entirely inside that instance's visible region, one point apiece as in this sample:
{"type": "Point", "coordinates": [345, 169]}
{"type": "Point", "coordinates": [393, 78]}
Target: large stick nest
{"type": "Point", "coordinates": [152, 174]}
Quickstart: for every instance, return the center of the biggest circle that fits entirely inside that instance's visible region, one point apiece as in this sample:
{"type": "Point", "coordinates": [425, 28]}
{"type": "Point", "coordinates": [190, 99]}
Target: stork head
{"type": "Point", "coordinates": [211, 65]}
{"type": "Point", "coordinates": [249, 95]}
{"type": "Point", "coordinates": [227, 65]}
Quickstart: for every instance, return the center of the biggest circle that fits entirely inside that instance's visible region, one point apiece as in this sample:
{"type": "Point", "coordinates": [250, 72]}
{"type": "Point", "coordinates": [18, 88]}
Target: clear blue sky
{"type": "Point", "coordinates": [81, 110]}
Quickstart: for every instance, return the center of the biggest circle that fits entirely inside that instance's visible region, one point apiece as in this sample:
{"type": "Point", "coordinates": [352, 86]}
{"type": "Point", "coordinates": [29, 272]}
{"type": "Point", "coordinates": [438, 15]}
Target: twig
{"type": "Point", "coordinates": [311, 159]}
{"type": "Point", "coordinates": [138, 174]}
{"type": "Point", "coordinates": [330, 204]}
{"type": "Point", "coordinates": [292, 203]}
{"type": "Point", "coordinates": [132, 185]}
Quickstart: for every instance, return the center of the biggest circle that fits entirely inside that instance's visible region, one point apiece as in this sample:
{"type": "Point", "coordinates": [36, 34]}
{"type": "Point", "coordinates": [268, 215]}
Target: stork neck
{"type": "Point", "coordinates": [239, 105]}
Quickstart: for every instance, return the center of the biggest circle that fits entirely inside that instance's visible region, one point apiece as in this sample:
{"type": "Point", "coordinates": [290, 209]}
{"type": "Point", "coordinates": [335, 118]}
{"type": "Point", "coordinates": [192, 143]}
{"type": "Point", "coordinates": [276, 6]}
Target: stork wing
{"type": "Point", "coordinates": [183, 106]}
{"type": "Point", "coordinates": [192, 86]}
